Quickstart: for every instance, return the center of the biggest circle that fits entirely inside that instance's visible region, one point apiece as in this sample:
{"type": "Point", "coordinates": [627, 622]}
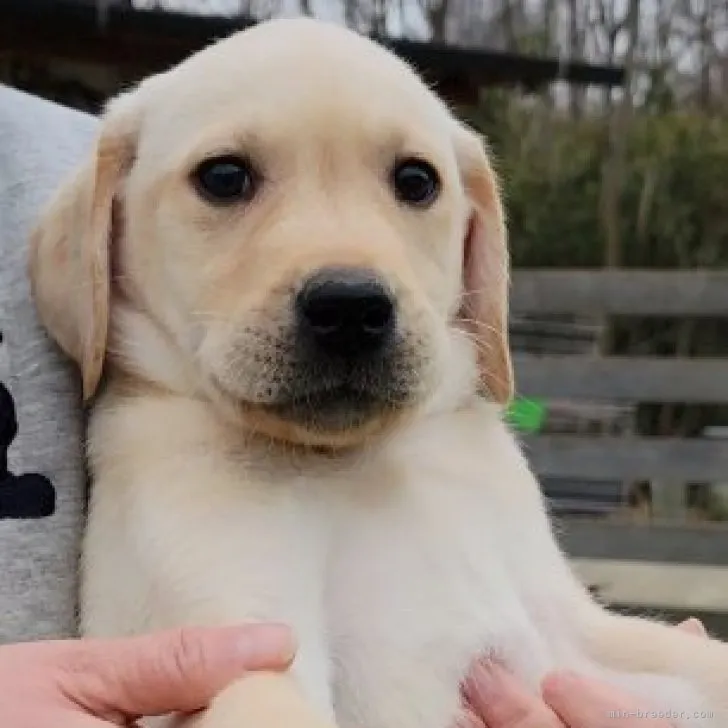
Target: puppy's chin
{"type": "Point", "coordinates": [334, 416]}
{"type": "Point", "coordinates": [332, 410]}
{"type": "Point", "coordinates": [332, 420]}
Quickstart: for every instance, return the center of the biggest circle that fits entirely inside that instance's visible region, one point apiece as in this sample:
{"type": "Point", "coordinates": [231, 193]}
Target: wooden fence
{"type": "Point", "coordinates": [668, 463]}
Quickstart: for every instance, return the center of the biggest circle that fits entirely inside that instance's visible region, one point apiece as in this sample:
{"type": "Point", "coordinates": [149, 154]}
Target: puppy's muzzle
{"type": "Point", "coordinates": [348, 358]}
{"type": "Point", "coordinates": [345, 314]}
{"type": "Point", "coordinates": [349, 364]}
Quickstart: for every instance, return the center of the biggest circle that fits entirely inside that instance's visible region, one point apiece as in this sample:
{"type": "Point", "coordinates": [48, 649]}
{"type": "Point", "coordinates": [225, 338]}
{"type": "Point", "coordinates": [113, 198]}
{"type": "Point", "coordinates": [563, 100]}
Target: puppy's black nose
{"type": "Point", "coordinates": [346, 312]}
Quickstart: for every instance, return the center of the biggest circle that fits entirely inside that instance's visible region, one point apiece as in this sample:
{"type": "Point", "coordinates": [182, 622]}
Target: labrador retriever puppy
{"type": "Point", "coordinates": [287, 259]}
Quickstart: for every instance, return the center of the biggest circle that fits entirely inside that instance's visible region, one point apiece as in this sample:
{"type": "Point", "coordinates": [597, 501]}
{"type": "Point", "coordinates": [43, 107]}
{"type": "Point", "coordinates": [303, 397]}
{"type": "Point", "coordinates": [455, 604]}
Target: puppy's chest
{"type": "Point", "coordinates": [426, 577]}
{"type": "Point", "coordinates": [418, 586]}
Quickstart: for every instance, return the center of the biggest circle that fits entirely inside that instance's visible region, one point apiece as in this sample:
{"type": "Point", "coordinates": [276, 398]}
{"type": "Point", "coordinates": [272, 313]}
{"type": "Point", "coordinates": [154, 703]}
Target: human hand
{"type": "Point", "coordinates": [98, 683]}
{"type": "Point", "coordinates": [495, 699]}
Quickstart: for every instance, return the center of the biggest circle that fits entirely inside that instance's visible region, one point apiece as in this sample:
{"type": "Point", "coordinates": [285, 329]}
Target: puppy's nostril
{"type": "Point", "coordinates": [324, 316]}
{"type": "Point", "coordinates": [377, 317]}
{"type": "Point", "coordinates": [345, 312]}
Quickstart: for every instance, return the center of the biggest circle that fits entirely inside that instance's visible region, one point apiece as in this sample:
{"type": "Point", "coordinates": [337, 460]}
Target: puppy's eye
{"type": "Point", "coordinates": [416, 182]}
{"type": "Point", "coordinates": [225, 180]}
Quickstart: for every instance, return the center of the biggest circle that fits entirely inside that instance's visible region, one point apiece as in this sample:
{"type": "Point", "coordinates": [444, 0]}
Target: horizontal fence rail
{"type": "Point", "coordinates": [587, 539]}
{"type": "Point", "coordinates": [638, 379]}
{"type": "Point", "coordinates": [620, 292]}
{"type": "Point", "coordinates": [671, 460]}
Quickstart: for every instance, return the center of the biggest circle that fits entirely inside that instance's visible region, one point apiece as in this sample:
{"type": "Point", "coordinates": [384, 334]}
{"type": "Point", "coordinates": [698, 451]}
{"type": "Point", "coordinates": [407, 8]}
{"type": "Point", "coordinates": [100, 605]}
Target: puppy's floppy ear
{"type": "Point", "coordinates": [70, 249]}
{"type": "Point", "coordinates": [485, 268]}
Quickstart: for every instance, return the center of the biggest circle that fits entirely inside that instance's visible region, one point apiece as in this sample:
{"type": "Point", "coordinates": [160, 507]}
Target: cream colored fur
{"type": "Point", "coordinates": [399, 551]}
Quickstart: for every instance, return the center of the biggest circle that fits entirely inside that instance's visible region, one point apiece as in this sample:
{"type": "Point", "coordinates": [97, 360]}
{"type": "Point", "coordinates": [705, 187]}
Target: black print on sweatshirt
{"type": "Point", "coordinates": [29, 495]}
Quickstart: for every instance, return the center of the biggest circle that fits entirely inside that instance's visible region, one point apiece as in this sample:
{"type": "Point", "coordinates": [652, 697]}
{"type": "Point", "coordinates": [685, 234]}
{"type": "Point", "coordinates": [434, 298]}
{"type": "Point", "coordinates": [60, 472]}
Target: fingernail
{"type": "Point", "coordinates": [266, 640]}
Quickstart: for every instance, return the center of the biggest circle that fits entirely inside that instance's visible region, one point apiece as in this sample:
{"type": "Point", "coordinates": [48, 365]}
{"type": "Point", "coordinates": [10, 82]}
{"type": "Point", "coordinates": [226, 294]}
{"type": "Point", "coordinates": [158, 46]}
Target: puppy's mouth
{"type": "Point", "coordinates": [335, 408]}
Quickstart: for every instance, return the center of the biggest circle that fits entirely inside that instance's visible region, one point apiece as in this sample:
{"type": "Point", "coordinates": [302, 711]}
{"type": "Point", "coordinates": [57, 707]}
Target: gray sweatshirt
{"type": "Point", "coordinates": [39, 143]}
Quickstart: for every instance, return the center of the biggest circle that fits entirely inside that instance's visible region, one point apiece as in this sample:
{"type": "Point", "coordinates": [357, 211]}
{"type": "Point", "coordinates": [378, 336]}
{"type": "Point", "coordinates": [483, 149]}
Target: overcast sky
{"type": "Point", "coordinates": [406, 21]}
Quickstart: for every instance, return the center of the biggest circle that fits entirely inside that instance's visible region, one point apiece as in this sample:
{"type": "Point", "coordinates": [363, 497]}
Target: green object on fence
{"type": "Point", "coordinates": [526, 415]}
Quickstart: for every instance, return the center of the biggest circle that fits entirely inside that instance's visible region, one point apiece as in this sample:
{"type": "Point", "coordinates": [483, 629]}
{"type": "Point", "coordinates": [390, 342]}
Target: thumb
{"type": "Point", "coordinates": [176, 671]}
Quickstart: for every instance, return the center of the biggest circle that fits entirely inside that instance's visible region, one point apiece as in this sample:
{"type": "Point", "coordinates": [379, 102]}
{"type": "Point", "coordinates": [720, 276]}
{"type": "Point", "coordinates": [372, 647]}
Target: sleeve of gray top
{"type": "Point", "coordinates": [39, 144]}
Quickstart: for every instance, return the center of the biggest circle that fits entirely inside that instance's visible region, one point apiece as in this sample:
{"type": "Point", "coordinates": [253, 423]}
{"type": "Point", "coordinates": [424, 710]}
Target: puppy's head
{"type": "Point", "coordinates": [295, 215]}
